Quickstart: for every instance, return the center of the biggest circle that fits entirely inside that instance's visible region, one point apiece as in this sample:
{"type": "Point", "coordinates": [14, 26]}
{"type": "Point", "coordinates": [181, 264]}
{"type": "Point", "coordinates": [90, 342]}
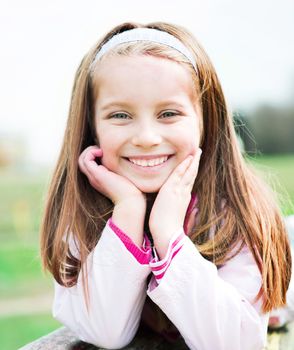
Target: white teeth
{"type": "Point", "coordinates": [149, 162]}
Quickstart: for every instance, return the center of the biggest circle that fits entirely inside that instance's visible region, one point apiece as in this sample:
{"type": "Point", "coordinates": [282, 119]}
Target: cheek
{"type": "Point", "coordinates": [188, 138]}
{"type": "Point", "coordinates": [110, 151]}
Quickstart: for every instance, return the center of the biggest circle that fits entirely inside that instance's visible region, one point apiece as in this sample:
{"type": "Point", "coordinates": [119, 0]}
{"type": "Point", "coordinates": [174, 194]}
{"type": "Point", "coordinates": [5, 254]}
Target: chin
{"type": "Point", "coordinates": [149, 188]}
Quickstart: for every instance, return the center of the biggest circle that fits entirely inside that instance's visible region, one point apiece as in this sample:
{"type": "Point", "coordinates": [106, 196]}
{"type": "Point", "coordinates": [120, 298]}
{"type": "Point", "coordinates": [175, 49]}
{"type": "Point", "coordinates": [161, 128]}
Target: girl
{"type": "Point", "coordinates": [139, 227]}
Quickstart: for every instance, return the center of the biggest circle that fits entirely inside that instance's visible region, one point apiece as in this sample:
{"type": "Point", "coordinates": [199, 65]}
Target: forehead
{"type": "Point", "coordinates": [142, 76]}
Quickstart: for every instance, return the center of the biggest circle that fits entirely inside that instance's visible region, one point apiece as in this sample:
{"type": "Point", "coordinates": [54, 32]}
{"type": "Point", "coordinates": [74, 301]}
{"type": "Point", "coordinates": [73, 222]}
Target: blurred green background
{"type": "Point", "coordinates": [26, 292]}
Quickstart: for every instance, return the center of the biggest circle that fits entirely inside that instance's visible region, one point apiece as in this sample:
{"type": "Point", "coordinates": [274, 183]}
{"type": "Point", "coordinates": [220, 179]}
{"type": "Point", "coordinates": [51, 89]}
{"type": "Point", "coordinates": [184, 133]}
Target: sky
{"type": "Point", "coordinates": [42, 42]}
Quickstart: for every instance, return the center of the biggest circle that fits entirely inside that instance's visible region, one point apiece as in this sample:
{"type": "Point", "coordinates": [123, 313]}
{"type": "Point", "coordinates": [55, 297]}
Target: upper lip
{"type": "Point", "coordinates": [147, 157]}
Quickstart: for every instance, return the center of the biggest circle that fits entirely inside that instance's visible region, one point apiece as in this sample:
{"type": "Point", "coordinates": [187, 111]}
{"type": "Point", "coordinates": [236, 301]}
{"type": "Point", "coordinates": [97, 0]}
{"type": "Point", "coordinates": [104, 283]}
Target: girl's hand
{"type": "Point", "coordinates": [129, 202]}
{"type": "Point", "coordinates": [116, 187]}
{"type": "Point", "coordinates": [169, 209]}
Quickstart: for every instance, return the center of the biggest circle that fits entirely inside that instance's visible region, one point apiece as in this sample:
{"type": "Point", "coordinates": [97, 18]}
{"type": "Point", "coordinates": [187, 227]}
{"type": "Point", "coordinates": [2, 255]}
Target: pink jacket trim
{"type": "Point", "coordinates": [159, 268]}
{"type": "Point", "coordinates": [142, 255]}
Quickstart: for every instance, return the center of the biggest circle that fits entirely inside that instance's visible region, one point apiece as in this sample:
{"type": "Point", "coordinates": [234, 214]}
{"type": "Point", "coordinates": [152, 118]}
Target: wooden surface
{"type": "Point", "coordinates": [63, 339]}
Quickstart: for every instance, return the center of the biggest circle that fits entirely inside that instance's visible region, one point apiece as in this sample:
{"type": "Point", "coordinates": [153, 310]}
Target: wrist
{"type": "Point", "coordinates": [129, 217]}
{"type": "Point", "coordinates": [161, 245]}
{"type": "Point", "coordinates": [164, 232]}
{"type": "Point", "coordinates": [137, 199]}
{"type": "Point", "coordinates": [134, 204]}
{"type": "Point", "coordinates": [163, 240]}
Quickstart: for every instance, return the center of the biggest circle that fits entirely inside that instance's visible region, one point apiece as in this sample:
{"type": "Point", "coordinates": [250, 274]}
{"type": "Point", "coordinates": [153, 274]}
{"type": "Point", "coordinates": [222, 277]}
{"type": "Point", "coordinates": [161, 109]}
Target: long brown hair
{"type": "Point", "coordinates": [249, 214]}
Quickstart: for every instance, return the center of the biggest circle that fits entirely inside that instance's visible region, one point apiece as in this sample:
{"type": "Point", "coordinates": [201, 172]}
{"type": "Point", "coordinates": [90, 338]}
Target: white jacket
{"type": "Point", "coordinates": [212, 308]}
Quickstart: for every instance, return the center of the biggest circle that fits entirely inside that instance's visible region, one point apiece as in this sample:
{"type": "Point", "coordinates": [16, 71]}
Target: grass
{"type": "Point", "coordinates": [17, 331]}
{"type": "Point", "coordinates": [278, 171]}
{"type": "Point", "coordinates": [20, 214]}
{"type": "Point", "coordinates": [20, 271]}
{"type": "Point", "coordinates": [21, 206]}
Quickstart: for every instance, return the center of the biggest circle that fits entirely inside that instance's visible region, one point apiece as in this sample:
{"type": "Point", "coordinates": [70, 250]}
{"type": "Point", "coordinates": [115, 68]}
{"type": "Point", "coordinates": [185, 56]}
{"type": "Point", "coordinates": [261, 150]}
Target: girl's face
{"type": "Point", "coordinates": [147, 121]}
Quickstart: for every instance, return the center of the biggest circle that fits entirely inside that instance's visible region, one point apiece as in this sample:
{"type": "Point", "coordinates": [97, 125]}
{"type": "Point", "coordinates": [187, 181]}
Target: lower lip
{"type": "Point", "coordinates": [149, 169]}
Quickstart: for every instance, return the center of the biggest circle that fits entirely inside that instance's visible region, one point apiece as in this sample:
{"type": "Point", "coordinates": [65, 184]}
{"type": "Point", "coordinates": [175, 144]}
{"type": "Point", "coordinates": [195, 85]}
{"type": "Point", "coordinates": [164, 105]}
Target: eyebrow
{"type": "Point", "coordinates": [171, 102]}
{"type": "Point", "coordinates": [126, 104]}
{"type": "Point", "coordinates": [114, 104]}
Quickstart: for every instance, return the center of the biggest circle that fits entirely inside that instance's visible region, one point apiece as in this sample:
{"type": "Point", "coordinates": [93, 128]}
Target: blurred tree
{"type": "Point", "coordinates": [267, 129]}
{"type": "Point", "coordinates": [244, 132]}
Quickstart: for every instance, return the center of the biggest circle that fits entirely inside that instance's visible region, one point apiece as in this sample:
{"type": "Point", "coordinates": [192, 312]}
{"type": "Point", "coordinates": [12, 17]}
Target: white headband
{"type": "Point", "coordinates": [145, 34]}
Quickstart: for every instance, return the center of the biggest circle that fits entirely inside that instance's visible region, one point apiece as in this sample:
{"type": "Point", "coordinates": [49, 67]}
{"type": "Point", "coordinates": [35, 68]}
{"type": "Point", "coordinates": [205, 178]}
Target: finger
{"type": "Point", "coordinates": [179, 171]}
{"type": "Point", "coordinates": [94, 170]}
{"type": "Point", "coordinates": [89, 155]}
{"type": "Point", "coordinates": [98, 177]}
{"type": "Point", "coordinates": [93, 153]}
{"type": "Point", "coordinates": [89, 150]}
{"type": "Point", "coordinates": [82, 165]}
{"type": "Point", "coordinates": [189, 176]}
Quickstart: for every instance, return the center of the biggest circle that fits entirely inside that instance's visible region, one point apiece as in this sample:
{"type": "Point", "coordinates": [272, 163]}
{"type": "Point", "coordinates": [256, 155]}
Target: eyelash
{"type": "Point", "coordinates": [121, 113]}
{"type": "Point", "coordinates": [125, 116]}
{"type": "Point", "coordinates": [170, 112]}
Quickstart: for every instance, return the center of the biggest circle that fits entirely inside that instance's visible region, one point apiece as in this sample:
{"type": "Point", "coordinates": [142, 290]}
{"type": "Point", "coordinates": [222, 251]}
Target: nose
{"type": "Point", "coordinates": [146, 135]}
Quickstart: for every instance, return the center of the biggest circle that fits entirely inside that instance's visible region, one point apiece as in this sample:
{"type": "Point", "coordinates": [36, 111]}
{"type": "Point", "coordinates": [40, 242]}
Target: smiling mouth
{"type": "Point", "coordinates": [148, 162]}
